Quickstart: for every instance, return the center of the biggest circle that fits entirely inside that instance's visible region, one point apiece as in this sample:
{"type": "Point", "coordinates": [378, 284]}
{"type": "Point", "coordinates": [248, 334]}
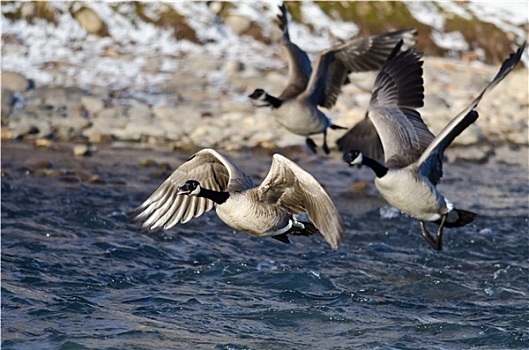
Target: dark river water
{"type": "Point", "coordinates": [77, 275]}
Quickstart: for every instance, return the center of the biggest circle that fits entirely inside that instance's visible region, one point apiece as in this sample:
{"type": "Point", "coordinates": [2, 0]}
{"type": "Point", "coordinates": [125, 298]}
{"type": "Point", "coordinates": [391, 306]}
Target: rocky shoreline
{"type": "Point", "coordinates": [189, 111]}
{"type": "Point", "coordinates": [135, 80]}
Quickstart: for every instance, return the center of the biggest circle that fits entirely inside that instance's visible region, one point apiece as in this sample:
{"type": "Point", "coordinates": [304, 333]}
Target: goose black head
{"type": "Point", "coordinates": [354, 157]}
{"type": "Point", "coordinates": [190, 188]}
{"type": "Point", "coordinates": [258, 94]}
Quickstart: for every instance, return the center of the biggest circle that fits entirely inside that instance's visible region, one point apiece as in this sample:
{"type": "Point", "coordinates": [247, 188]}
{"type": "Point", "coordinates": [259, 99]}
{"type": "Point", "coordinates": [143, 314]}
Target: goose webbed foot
{"type": "Point", "coordinates": [312, 145]}
{"type": "Point", "coordinates": [282, 238]}
{"type": "Point", "coordinates": [326, 148]}
{"type": "Point", "coordinates": [437, 242]}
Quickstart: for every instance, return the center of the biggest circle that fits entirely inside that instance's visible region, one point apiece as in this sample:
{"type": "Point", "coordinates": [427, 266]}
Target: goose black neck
{"type": "Point", "coordinates": [378, 168]}
{"type": "Point", "coordinates": [274, 101]}
{"type": "Point", "coordinates": [215, 196]}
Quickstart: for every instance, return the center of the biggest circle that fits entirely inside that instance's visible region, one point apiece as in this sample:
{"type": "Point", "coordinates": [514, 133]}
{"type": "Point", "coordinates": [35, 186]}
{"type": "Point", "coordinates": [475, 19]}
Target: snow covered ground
{"type": "Point", "coordinates": [85, 62]}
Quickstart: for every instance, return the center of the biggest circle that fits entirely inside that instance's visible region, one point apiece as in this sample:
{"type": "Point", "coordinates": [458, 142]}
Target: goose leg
{"type": "Point", "coordinates": [436, 243]}
{"type": "Point", "coordinates": [325, 147]}
{"type": "Point", "coordinates": [439, 239]}
{"type": "Point", "coordinates": [312, 145]}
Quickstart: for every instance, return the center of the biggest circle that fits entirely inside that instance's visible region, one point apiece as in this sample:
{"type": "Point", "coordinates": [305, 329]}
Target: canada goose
{"type": "Point", "coordinates": [209, 179]}
{"type": "Point", "coordinates": [297, 107]}
{"type": "Point", "coordinates": [411, 172]}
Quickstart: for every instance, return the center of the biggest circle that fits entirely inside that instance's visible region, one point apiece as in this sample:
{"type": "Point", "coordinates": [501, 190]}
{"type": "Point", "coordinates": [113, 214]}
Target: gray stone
{"type": "Point", "coordinates": [89, 20]}
{"type": "Point", "coordinates": [71, 123]}
{"type": "Point", "coordinates": [238, 108]}
{"type": "Point", "coordinates": [22, 124]}
{"type": "Point", "coordinates": [61, 97]}
{"type": "Point", "coordinates": [238, 24]}
{"type": "Point", "coordinates": [14, 81]}
{"type": "Point", "coordinates": [27, 9]}
{"type": "Point", "coordinates": [232, 67]}
{"type": "Point", "coordinates": [164, 112]}
{"type": "Point", "coordinates": [139, 112]}
{"type": "Point", "coordinates": [81, 150]}
{"type": "Point", "coordinates": [172, 130]}
{"type": "Point", "coordinates": [7, 103]}
{"type": "Point", "coordinates": [138, 131]}
{"type": "Point", "coordinates": [92, 104]}
{"type": "Point", "coordinates": [198, 62]}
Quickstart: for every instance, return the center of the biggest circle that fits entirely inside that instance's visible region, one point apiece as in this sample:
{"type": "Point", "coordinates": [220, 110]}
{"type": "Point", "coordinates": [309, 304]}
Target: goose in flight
{"type": "Point", "coordinates": [413, 156]}
{"type": "Point", "coordinates": [296, 108]}
{"type": "Point", "coordinates": [208, 179]}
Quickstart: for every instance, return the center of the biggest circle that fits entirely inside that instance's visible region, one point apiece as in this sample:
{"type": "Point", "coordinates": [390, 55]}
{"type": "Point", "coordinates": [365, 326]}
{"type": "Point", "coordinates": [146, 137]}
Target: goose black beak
{"type": "Point", "coordinates": [184, 190]}
{"type": "Point", "coordinates": [348, 158]}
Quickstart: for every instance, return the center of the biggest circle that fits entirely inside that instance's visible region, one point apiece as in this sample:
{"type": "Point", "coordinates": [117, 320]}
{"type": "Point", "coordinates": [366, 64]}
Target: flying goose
{"type": "Point", "coordinates": [413, 158]}
{"type": "Point", "coordinates": [296, 108]}
{"type": "Point", "coordinates": [209, 179]}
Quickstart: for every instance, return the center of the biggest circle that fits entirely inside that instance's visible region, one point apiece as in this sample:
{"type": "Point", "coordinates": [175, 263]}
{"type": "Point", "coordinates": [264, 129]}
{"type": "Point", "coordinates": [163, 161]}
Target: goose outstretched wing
{"type": "Point", "coordinates": [398, 91]}
{"type": "Point", "coordinates": [290, 186]}
{"type": "Point", "coordinates": [165, 208]}
{"type": "Point", "coordinates": [430, 163]}
{"type": "Point", "coordinates": [299, 67]}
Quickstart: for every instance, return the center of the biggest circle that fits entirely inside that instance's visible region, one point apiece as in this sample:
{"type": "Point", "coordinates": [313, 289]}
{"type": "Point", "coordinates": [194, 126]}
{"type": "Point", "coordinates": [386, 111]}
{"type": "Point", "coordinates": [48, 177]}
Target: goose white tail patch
{"type": "Point", "coordinates": [449, 205]}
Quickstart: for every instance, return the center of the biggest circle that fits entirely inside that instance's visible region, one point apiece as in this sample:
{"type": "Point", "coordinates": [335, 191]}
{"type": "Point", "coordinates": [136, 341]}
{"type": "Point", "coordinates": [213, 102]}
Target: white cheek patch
{"type": "Point", "coordinates": [195, 192]}
{"type": "Point", "coordinates": [359, 159]}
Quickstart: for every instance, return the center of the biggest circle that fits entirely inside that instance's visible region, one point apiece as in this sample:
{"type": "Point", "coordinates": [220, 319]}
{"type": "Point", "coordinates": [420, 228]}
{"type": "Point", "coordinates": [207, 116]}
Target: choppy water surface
{"type": "Point", "coordinates": [77, 275]}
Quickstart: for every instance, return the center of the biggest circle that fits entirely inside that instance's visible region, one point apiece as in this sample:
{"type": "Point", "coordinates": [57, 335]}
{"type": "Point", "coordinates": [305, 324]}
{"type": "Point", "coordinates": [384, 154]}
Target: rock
{"type": "Point", "coordinates": [104, 123]}
{"type": "Point", "coordinates": [172, 130]}
{"type": "Point", "coordinates": [22, 124]}
{"type": "Point", "coordinates": [27, 10]}
{"type": "Point", "coordinates": [198, 62]}
{"type": "Point", "coordinates": [70, 124]}
{"type": "Point", "coordinates": [138, 131]}
{"type": "Point", "coordinates": [15, 82]}
{"type": "Point", "coordinates": [7, 134]}
{"type": "Point", "coordinates": [238, 24]}
{"type": "Point", "coordinates": [232, 67]}
{"type": "Point", "coordinates": [7, 103]}
{"type": "Point", "coordinates": [97, 137]}
{"type": "Point", "coordinates": [92, 104]}
{"type": "Point", "coordinates": [91, 22]}
{"type": "Point", "coordinates": [82, 151]}
{"type": "Point", "coordinates": [139, 112]}
{"type": "Point", "coordinates": [164, 112]}
{"type": "Point", "coordinates": [58, 97]}
{"type": "Point", "coordinates": [42, 143]}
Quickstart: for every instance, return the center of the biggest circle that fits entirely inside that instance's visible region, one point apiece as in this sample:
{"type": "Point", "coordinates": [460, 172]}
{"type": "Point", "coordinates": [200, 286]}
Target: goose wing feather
{"type": "Point", "coordinates": [299, 67]}
{"type": "Point", "coordinates": [165, 208]}
{"type": "Point", "coordinates": [356, 55]}
{"type": "Point", "coordinates": [430, 162]}
{"type": "Point", "coordinates": [369, 53]}
{"type": "Point", "coordinates": [363, 137]}
{"type": "Point", "coordinates": [290, 186]}
{"type": "Point", "coordinates": [397, 92]}
{"type": "Point", "coordinates": [326, 81]}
